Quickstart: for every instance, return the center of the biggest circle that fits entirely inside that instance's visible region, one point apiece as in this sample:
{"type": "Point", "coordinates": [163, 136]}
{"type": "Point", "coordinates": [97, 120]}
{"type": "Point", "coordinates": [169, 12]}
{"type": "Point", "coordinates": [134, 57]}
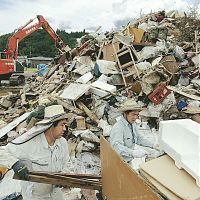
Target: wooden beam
{"type": "Point", "coordinates": [66, 180]}
{"type": "Point", "coordinates": [91, 115]}
{"type": "Point", "coordinates": [65, 104]}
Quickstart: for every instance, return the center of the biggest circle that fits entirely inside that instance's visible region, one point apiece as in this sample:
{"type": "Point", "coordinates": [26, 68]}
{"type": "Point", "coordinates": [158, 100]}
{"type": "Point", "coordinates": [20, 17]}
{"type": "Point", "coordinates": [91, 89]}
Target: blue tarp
{"type": "Point", "coordinates": [42, 69]}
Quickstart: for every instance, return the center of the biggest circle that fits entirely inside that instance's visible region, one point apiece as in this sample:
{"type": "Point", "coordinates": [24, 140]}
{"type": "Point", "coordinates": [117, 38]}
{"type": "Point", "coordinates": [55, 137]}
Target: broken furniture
{"type": "Point", "coordinates": [136, 33]}
{"type": "Point", "coordinates": [126, 59]}
{"type": "Point", "coordinates": [108, 51]}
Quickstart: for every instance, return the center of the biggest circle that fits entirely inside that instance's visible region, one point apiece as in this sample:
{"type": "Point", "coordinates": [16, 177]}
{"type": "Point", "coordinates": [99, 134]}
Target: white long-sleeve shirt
{"type": "Point", "coordinates": [123, 140]}
{"type": "Point", "coordinates": [38, 156]}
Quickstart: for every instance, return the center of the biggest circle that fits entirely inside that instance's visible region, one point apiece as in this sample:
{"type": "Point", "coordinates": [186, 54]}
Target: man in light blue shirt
{"type": "Point", "coordinates": [124, 134]}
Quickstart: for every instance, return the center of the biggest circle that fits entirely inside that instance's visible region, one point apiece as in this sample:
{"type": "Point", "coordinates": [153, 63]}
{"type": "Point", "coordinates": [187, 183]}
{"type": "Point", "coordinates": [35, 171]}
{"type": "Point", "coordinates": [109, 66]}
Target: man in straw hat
{"type": "Point", "coordinates": [42, 148]}
{"type": "Point", "coordinates": [124, 134]}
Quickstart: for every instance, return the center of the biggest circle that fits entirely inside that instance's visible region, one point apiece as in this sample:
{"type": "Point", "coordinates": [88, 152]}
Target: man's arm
{"type": "Point", "coordinates": [10, 158]}
{"type": "Point", "coordinates": [117, 142]}
{"type": "Point", "coordinates": [142, 140]}
{"type": "Point", "coordinates": [66, 163]}
{"type": "Point", "coordinates": [6, 158]}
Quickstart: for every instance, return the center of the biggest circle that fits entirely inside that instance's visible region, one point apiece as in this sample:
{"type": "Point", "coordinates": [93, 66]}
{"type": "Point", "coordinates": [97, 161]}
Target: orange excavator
{"type": "Point", "coordinates": [10, 68]}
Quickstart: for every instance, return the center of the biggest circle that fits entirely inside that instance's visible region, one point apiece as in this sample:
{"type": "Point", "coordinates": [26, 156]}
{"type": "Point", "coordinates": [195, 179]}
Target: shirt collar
{"type": "Point", "coordinates": [45, 143]}
{"type": "Point", "coordinates": [124, 120]}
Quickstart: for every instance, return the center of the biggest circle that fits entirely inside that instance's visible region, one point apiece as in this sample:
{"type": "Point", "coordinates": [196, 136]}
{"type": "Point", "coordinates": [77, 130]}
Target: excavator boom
{"type": "Point", "coordinates": [26, 30]}
{"type": "Point", "coordinates": [8, 65]}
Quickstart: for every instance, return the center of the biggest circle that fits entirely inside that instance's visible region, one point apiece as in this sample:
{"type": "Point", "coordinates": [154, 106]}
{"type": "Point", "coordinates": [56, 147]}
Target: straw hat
{"type": "Point", "coordinates": [192, 110]}
{"type": "Point", "coordinates": [53, 113]}
{"type": "Point", "coordinates": [129, 104]}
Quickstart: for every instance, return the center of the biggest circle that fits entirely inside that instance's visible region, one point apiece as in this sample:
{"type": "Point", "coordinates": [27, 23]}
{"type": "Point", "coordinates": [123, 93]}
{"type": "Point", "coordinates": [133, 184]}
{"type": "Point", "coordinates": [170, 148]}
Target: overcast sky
{"type": "Point", "coordinates": [72, 15]}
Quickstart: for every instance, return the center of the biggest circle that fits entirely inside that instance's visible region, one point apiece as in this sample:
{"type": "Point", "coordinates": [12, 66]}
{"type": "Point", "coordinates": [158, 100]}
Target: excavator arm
{"type": "Point", "coordinates": [26, 30]}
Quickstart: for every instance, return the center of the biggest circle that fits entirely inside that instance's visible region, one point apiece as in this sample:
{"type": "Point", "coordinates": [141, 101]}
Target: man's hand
{"type": "Point", "coordinates": [138, 153]}
{"type": "Point", "coordinates": [156, 146]}
{"type": "Point", "coordinates": [21, 170]}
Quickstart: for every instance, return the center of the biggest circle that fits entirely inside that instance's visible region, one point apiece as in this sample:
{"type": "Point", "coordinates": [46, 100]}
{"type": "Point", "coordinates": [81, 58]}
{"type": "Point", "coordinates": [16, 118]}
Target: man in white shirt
{"type": "Point", "coordinates": [45, 151]}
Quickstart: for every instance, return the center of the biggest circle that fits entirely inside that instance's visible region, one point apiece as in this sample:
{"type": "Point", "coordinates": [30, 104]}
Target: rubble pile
{"type": "Point", "coordinates": [146, 60]}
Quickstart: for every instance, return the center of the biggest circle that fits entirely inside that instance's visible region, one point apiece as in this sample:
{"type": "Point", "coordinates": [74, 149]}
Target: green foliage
{"type": "Point", "coordinates": [39, 43]}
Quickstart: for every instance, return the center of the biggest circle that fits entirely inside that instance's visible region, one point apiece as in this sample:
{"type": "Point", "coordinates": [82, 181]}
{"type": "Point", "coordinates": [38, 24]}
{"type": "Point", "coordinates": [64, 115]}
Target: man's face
{"type": "Point", "coordinates": [59, 130]}
{"type": "Point", "coordinates": [132, 116]}
{"type": "Point", "coordinates": [196, 118]}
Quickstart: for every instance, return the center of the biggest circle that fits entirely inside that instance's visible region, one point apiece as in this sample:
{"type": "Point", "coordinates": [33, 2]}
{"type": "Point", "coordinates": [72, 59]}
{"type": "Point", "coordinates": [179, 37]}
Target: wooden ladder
{"type": "Point", "coordinates": [126, 59]}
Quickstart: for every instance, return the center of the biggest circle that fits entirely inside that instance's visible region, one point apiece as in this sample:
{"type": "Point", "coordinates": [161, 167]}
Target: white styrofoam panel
{"type": "Point", "coordinates": [85, 78]}
{"type": "Point", "coordinates": [13, 124]}
{"type": "Point", "coordinates": [180, 139]}
{"type": "Point", "coordinates": [74, 91]}
{"type": "Point", "coordinates": [104, 86]}
{"type": "Point", "coordinates": [98, 92]}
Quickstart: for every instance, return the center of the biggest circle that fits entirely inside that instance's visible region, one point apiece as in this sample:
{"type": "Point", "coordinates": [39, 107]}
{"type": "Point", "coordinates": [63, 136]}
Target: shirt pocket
{"type": "Point", "coordinates": [39, 189]}
{"type": "Point", "coordinates": [40, 164]}
{"type": "Point", "coordinates": [128, 141]}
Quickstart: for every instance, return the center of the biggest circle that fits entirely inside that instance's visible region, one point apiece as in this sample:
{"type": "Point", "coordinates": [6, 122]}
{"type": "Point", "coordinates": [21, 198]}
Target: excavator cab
{"type": "Point", "coordinates": [10, 68]}
{"type": "Point", "coordinates": [13, 71]}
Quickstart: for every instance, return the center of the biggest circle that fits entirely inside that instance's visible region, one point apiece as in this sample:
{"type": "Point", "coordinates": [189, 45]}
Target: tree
{"type": "Point", "coordinates": [40, 44]}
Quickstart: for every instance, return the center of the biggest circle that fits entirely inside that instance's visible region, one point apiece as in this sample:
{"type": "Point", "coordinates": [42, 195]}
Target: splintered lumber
{"type": "Point", "coordinates": [191, 96]}
{"type": "Point", "coordinates": [91, 115]}
{"type": "Point", "coordinates": [65, 104]}
{"type": "Point", "coordinates": [66, 180]}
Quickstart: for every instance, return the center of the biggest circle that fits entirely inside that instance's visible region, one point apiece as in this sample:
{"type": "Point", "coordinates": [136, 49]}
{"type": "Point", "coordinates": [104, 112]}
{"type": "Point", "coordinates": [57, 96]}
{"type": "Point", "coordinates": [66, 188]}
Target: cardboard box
{"type": "Point", "coordinates": [178, 182]}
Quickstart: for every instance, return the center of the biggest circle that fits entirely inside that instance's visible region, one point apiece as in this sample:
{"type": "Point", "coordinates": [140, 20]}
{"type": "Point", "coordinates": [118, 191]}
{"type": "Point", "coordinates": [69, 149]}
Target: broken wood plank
{"type": "Point", "coordinates": [65, 180]}
{"type": "Point", "coordinates": [91, 115]}
{"type": "Point", "coordinates": [191, 96]}
{"type": "Point", "coordinates": [65, 104]}
{"type": "Point", "coordinates": [87, 176]}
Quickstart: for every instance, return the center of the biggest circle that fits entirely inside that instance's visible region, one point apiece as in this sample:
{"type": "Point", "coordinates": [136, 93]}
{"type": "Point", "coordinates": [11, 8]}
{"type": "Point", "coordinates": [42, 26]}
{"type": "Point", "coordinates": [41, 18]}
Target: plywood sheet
{"type": "Point", "coordinates": [178, 181]}
{"type": "Point", "coordinates": [137, 33]}
{"type": "Point", "coordinates": [159, 187]}
{"type": "Point", "coordinates": [108, 51]}
{"type": "Point", "coordinates": [119, 181]}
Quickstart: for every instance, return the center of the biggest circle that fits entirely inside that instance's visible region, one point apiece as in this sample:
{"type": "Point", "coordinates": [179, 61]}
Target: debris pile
{"type": "Point", "coordinates": [147, 60]}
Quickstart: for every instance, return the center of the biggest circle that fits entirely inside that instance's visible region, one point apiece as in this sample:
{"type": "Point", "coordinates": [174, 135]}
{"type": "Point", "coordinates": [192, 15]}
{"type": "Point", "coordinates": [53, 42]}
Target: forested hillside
{"type": "Point", "coordinates": [39, 43]}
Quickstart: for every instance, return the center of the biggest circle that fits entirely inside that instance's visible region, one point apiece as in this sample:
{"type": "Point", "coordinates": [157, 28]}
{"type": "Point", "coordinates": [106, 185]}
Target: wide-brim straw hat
{"type": "Point", "coordinates": [53, 113]}
{"type": "Point", "coordinates": [129, 105]}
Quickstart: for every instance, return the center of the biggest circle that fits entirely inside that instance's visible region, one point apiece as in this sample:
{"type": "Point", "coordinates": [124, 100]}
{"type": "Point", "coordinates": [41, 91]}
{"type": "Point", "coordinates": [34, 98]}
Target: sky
{"type": "Point", "coordinates": [76, 15]}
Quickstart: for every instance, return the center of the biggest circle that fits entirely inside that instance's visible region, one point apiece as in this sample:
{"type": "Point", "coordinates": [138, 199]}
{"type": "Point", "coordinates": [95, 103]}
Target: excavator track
{"type": "Point", "coordinates": [17, 80]}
